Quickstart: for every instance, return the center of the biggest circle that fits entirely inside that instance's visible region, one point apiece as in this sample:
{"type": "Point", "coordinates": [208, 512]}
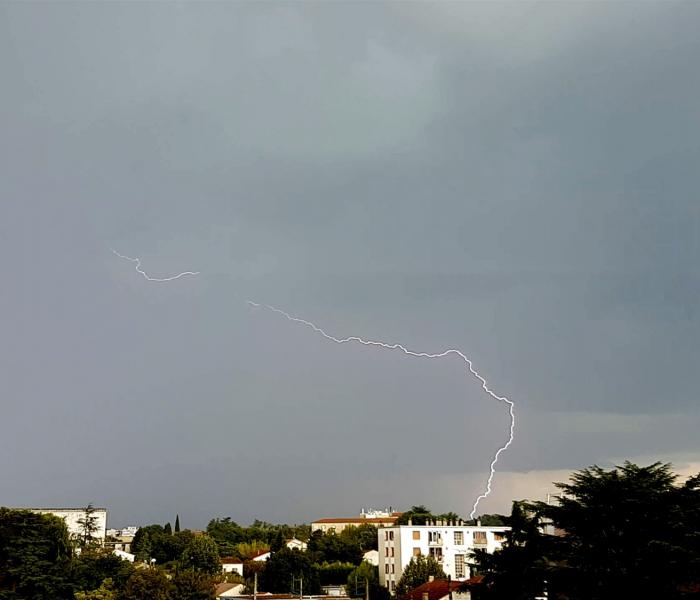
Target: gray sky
{"type": "Point", "coordinates": [515, 180]}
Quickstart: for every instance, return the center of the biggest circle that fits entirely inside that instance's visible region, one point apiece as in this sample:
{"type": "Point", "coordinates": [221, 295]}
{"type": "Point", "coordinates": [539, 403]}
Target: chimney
{"type": "Point", "coordinates": [478, 522]}
{"type": "Point", "coordinates": [431, 578]}
{"type": "Point", "coordinates": [410, 522]}
{"type": "Point", "coordinates": [426, 595]}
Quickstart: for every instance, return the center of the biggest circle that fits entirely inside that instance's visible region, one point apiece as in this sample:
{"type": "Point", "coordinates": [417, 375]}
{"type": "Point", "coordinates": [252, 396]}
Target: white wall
{"type": "Point", "coordinates": [232, 568]}
{"type": "Point", "coordinates": [71, 517]}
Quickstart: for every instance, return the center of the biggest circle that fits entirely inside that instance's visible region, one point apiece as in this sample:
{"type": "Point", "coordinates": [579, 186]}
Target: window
{"type": "Point", "coordinates": [386, 550]}
{"type": "Point", "coordinates": [393, 586]}
{"type": "Point", "coordinates": [459, 566]}
{"type": "Point", "coordinates": [392, 567]}
{"type": "Point", "coordinates": [386, 535]}
{"type": "Point", "coordinates": [459, 538]}
{"type": "Point", "coordinates": [436, 553]}
{"type": "Point", "coordinates": [434, 537]}
{"type": "Point", "coordinates": [386, 568]}
{"type": "Point", "coordinates": [391, 535]}
{"type": "Point", "coordinates": [416, 552]}
{"type": "Point", "coordinates": [480, 537]}
{"type": "Point", "coordinates": [499, 537]}
{"type": "Point", "coordinates": [416, 535]}
{"type": "Point", "coordinates": [392, 551]}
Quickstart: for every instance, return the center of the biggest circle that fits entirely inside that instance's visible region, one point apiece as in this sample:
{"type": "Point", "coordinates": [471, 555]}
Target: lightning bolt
{"type": "Point", "coordinates": [137, 266]}
{"type": "Point", "coordinates": [379, 344]}
{"type": "Point", "coordinates": [445, 353]}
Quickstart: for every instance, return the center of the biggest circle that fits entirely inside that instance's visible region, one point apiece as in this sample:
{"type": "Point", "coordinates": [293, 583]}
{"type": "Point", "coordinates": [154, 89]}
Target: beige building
{"type": "Point", "coordinates": [369, 517]}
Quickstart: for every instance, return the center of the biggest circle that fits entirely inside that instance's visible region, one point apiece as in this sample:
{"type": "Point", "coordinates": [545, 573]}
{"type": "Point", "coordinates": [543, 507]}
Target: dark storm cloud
{"type": "Point", "coordinates": [516, 180]}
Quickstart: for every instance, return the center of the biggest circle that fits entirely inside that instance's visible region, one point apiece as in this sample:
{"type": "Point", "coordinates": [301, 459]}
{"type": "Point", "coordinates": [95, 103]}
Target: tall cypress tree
{"type": "Point", "coordinates": [177, 523]}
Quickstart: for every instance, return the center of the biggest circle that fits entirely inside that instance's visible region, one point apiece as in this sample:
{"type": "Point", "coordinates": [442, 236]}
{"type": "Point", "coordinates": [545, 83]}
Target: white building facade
{"type": "Point", "coordinates": [72, 517]}
{"type": "Point", "coordinates": [449, 545]}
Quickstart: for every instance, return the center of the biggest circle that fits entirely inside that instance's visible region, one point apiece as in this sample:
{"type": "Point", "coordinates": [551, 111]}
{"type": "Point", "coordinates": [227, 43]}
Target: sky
{"type": "Point", "coordinates": [516, 180]}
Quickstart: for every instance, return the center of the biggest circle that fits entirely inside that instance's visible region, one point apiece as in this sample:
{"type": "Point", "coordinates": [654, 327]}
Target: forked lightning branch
{"type": "Point", "coordinates": [386, 346]}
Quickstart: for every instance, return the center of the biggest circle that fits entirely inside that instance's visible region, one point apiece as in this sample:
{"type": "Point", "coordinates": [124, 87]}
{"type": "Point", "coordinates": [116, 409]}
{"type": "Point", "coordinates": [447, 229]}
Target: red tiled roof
{"type": "Point", "coordinates": [231, 560]}
{"type": "Point", "coordinates": [439, 588]}
{"type": "Point", "coordinates": [391, 519]}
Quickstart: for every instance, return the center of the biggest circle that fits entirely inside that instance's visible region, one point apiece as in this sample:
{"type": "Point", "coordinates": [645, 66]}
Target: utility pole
{"type": "Point", "coordinates": [301, 585]}
{"type": "Point", "coordinates": [366, 588]}
{"type": "Point", "coordinates": [255, 586]}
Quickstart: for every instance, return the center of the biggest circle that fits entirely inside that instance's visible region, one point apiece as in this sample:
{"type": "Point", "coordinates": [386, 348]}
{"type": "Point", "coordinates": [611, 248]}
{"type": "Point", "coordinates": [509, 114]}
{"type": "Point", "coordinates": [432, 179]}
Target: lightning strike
{"type": "Point", "coordinates": [452, 351]}
{"type": "Point", "coordinates": [137, 266]}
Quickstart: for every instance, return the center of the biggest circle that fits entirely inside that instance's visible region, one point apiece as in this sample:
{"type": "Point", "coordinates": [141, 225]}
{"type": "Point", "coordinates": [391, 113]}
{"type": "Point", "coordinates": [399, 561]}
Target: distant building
{"type": "Point", "coordinates": [372, 557]}
{"type": "Point", "coordinates": [232, 565]}
{"type": "Point", "coordinates": [449, 545]}
{"type": "Point", "coordinates": [261, 556]}
{"type": "Point", "coordinates": [72, 515]}
{"type": "Point", "coordinates": [125, 555]}
{"type": "Point", "coordinates": [295, 544]}
{"type": "Point", "coordinates": [378, 518]}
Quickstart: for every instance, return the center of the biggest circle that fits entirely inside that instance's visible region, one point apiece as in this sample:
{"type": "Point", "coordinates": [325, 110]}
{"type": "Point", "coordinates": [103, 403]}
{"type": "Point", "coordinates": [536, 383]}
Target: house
{"type": "Point", "coordinates": [372, 557]}
{"type": "Point", "coordinates": [232, 565]}
{"type": "Point", "coordinates": [442, 589]}
{"type": "Point", "coordinates": [72, 516]}
{"type": "Point", "coordinates": [124, 555]}
{"type": "Point", "coordinates": [261, 556]}
{"type": "Point", "coordinates": [228, 590]}
{"type": "Point", "coordinates": [370, 517]}
{"type": "Point", "coordinates": [449, 544]}
{"type": "Point", "coordinates": [295, 544]}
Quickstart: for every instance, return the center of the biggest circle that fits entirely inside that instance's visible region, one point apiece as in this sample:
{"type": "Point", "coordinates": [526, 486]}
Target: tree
{"type": "Point", "coordinates": [88, 526]}
{"type": "Point", "coordinates": [168, 530]}
{"type": "Point", "coordinates": [188, 585]}
{"type": "Point", "coordinates": [146, 584]}
{"type": "Point", "coordinates": [493, 520]}
{"type": "Point", "coordinates": [104, 592]}
{"type": "Point", "coordinates": [518, 570]}
{"type": "Point", "coordinates": [364, 537]}
{"type": "Point", "coordinates": [142, 544]}
{"type": "Point", "coordinates": [177, 523]}
{"type": "Point", "coordinates": [332, 547]}
{"type": "Point", "coordinates": [34, 556]}
{"type": "Point", "coordinates": [227, 534]}
{"type": "Point", "coordinates": [418, 515]}
{"type": "Point", "coordinates": [286, 564]}
{"type": "Point", "coordinates": [629, 532]}
{"type": "Point", "coordinates": [95, 565]}
{"type": "Point", "coordinates": [417, 572]}
{"type": "Point", "coordinates": [201, 555]}
{"type": "Point", "coordinates": [363, 576]}
{"type": "Point", "coordinates": [277, 542]}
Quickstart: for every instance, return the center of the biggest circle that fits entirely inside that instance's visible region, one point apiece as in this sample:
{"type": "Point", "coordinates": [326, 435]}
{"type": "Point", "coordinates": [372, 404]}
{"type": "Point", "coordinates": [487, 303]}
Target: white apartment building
{"type": "Point", "coordinates": [72, 517]}
{"type": "Point", "coordinates": [450, 545]}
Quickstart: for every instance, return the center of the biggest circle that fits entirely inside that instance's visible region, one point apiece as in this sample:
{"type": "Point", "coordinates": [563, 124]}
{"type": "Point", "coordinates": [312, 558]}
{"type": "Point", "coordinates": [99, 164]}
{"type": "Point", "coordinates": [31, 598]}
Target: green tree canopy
{"type": "Point", "coordinates": [627, 532]}
{"type": "Point", "coordinates": [201, 555]}
{"type": "Point", "coordinates": [146, 584]}
{"type": "Point", "coordinates": [286, 564]}
{"type": "Point", "coordinates": [94, 565]}
{"type": "Point", "coordinates": [418, 572]}
{"type": "Point", "coordinates": [362, 576]}
{"type": "Point", "coordinates": [189, 585]}
{"type": "Point", "coordinates": [35, 556]}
